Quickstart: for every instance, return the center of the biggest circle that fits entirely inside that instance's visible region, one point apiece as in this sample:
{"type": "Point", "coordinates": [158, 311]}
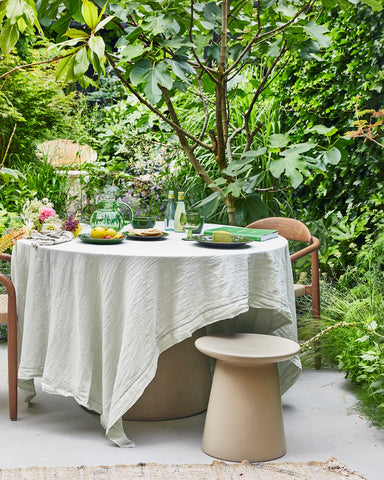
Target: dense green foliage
{"type": "Point", "coordinates": [344, 205]}
{"type": "Point", "coordinates": [357, 346]}
{"type": "Point", "coordinates": [300, 122]}
{"type": "Point", "coordinates": [34, 101]}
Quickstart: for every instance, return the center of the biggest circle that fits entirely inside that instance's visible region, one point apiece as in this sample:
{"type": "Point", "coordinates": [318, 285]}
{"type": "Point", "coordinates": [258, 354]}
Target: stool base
{"type": "Point", "coordinates": [244, 417]}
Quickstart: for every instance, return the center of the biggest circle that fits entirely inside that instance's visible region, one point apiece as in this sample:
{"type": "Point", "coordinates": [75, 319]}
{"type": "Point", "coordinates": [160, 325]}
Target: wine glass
{"type": "Point", "coordinates": [189, 221]}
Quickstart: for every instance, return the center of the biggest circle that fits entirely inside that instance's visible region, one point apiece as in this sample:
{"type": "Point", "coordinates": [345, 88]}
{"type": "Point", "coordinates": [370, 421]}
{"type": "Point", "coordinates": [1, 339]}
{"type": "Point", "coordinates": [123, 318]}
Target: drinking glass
{"type": "Point", "coordinates": [189, 221]}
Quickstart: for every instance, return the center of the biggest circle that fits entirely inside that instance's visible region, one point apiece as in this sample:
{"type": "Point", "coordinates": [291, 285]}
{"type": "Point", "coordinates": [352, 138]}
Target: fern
{"type": "Point", "coordinates": [9, 239]}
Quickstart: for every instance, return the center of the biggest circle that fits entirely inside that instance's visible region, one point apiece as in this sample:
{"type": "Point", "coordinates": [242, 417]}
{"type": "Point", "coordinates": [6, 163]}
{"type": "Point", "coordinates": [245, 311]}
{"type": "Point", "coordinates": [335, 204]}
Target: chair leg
{"type": "Point", "coordinates": [316, 306]}
{"type": "Point", "coordinates": [12, 357]}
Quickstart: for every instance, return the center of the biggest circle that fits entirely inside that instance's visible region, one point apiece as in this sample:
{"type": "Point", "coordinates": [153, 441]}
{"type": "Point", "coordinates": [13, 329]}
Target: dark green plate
{"type": "Point", "coordinates": [132, 236]}
{"type": "Point", "coordinates": [86, 237]}
{"type": "Point", "coordinates": [206, 241]}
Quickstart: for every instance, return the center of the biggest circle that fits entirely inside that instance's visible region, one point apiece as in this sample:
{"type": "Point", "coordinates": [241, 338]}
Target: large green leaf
{"type": "Point", "coordinates": [235, 168]}
{"type": "Point", "coordinates": [90, 13]}
{"type": "Point", "coordinates": [139, 72]}
{"type": "Point", "coordinates": [104, 22]}
{"type": "Point", "coordinates": [332, 156]}
{"type": "Point", "coordinates": [297, 149]}
{"type": "Point", "coordinates": [250, 155]}
{"type": "Point", "coordinates": [317, 33]}
{"type": "Point", "coordinates": [212, 12]}
{"type": "Point", "coordinates": [323, 130]}
{"type": "Point", "coordinates": [8, 37]}
{"type": "Point", "coordinates": [292, 166]}
{"type": "Point", "coordinates": [180, 68]}
{"type": "Point", "coordinates": [234, 188]}
{"type": "Point", "coordinates": [158, 75]}
{"type": "Point", "coordinates": [97, 46]}
{"type": "Point", "coordinates": [97, 65]}
{"type": "Point", "coordinates": [62, 67]}
{"type": "Point", "coordinates": [74, 33]}
{"type": "Point", "coordinates": [278, 140]}
{"type": "Point", "coordinates": [157, 24]}
{"type": "Point", "coordinates": [376, 5]}
{"type": "Point", "coordinates": [81, 63]}
{"type": "Point", "coordinates": [249, 209]}
{"type": "Point", "coordinates": [15, 9]}
{"type": "Point", "coordinates": [11, 173]}
{"type": "Point", "coordinates": [286, 9]}
{"type": "Point", "coordinates": [132, 51]}
{"type": "Point", "coordinates": [49, 8]}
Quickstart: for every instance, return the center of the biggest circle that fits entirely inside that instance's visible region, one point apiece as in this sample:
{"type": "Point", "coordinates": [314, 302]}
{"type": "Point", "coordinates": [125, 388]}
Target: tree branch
{"type": "Point", "coordinates": [153, 109]}
{"type": "Point", "coordinates": [258, 91]}
{"type": "Point", "coordinates": [28, 65]}
{"type": "Point", "coordinates": [207, 70]}
{"type": "Point", "coordinates": [206, 113]}
{"type": "Point", "coordinates": [220, 91]}
{"type": "Point", "coordinates": [185, 145]}
{"type": "Point", "coordinates": [268, 35]}
{"type": "Point", "coordinates": [8, 145]}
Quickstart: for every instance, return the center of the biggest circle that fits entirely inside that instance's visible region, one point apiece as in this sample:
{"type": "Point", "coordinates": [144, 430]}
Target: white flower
{"type": "Point", "coordinates": [29, 227]}
{"type": "Point", "coordinates": [51, 224]}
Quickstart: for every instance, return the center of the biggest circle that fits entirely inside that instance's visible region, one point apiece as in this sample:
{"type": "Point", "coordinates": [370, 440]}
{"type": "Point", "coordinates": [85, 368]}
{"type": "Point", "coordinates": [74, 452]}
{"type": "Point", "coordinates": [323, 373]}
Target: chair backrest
{"type": "Point", "coordinates": [293, 229]}
{"type": "Point", "coordinates": [289, 228]}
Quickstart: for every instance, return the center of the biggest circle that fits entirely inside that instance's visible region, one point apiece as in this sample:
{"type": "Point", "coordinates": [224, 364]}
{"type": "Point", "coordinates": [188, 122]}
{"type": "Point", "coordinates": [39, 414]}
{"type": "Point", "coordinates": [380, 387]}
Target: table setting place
{"type": "Point", "coordinates": [97, 305]}
{"type": "Point", "coordinates": [113, 222]}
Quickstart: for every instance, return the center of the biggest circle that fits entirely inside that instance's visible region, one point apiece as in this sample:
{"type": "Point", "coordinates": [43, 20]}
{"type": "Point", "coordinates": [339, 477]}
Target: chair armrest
{"type": "Point", "coordinates": [6, 281]}
{"type": "Point", "coordinates": [6, 257]}
{"type": "Point", "coordinates": [307, 250]}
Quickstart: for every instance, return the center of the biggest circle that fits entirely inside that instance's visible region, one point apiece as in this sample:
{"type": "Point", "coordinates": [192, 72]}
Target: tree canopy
{"type": "Point", "coordinates": [218, 52]}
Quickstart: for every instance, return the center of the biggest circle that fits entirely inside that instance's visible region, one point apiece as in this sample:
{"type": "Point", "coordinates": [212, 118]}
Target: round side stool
{"type": "Point", "coordinates": [244, 418]}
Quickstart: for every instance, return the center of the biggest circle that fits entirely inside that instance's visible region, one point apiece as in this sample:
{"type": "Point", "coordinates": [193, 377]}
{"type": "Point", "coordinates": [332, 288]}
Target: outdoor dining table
{"type": "Point", "coordinates": [93, 319]}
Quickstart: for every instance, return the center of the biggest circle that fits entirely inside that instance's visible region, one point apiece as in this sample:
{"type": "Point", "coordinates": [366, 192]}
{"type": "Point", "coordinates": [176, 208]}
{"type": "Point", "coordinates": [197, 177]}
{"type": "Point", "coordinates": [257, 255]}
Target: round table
{"type": "Point", "coordinates": [93, 319]}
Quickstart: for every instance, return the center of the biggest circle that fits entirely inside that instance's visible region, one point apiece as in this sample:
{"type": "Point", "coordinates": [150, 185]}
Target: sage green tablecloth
{"type": "Point", "coordinates": [93, 319]}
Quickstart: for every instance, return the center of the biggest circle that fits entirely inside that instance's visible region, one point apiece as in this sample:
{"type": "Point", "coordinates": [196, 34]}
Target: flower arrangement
{"type": "Point", "coordinates": [39, 215]}
{"type": "Point", "coordinates": [72, 224]}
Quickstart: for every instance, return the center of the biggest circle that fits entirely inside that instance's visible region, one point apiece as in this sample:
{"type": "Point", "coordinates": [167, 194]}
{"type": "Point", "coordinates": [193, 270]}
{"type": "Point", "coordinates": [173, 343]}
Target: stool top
{"type": "Point", "coordinates": [248, 349]}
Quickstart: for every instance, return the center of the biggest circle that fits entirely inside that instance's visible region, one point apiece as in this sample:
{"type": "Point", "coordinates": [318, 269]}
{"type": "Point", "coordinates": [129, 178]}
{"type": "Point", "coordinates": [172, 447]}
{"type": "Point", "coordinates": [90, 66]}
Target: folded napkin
{"type": "Point", "coordinates": [50, 238]}
{"type": "Point", "coordinates": [258, 234]}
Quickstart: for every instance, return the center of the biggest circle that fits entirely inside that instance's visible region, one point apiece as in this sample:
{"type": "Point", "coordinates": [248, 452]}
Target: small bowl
{"type": "Point", "coordinates": [143, 222]}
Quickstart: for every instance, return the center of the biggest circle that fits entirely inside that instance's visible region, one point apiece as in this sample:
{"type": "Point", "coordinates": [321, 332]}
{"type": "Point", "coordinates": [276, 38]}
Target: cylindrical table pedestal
{"type": "Point", "coordinates": [180, 387]}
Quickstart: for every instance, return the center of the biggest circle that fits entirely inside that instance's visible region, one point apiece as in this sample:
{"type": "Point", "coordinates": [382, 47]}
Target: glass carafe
{"type": "Point", "coordinates": [108, 214]}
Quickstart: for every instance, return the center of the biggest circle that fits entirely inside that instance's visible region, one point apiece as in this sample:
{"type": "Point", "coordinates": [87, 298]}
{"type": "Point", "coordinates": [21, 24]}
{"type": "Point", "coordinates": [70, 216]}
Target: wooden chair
{"type": "Point", "coordinates": [8, 315]}
{"type": "Point", "coordinates": [296, 230]}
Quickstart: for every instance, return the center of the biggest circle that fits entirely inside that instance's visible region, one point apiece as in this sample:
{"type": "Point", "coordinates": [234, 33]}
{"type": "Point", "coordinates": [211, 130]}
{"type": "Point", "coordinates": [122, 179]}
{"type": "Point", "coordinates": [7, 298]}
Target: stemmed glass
{"type": "Point", "coordinates": [189, 221]}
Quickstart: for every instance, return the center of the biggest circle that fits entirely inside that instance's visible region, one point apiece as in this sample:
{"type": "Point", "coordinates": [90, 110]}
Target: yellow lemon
{"type": "Point", "coordinates": [118, 235]}
{"type": "Point", "coordinates": [98, 232]}
{"type": "Point", "coordinates": [78, 230]}
{"type": "Point", "coordinates": [111, 232]}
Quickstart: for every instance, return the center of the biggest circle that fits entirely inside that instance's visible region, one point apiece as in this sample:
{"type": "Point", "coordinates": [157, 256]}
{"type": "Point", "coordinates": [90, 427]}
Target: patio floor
{"type": "Point", "coordinates": [319, 416]}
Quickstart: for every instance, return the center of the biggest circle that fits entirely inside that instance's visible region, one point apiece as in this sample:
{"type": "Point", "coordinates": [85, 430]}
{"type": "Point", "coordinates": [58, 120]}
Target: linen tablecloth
{"type": "Point", "coordinates": [93, 319]}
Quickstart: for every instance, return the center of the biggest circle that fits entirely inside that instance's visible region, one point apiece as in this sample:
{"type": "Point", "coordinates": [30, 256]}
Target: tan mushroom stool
{"type": "Point", "coordinates": [244, 418]}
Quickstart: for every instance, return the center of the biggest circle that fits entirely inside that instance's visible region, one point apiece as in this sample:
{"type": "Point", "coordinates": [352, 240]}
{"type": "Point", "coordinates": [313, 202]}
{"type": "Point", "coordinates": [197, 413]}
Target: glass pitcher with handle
{"type": "Point", "coordinates": [109, 214]}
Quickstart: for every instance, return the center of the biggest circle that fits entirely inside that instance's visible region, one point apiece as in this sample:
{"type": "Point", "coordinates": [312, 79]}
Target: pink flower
{"type": "Point", "coordinates": [47, 212]}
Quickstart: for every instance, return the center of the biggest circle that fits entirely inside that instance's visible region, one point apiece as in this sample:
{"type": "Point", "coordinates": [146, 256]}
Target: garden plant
{"type": "Point", "coordinates": [243, 105]}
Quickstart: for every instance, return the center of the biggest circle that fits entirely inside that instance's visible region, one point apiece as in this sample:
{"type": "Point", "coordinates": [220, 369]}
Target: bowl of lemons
{"type": "Point", "coordinates": [102, 235]}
